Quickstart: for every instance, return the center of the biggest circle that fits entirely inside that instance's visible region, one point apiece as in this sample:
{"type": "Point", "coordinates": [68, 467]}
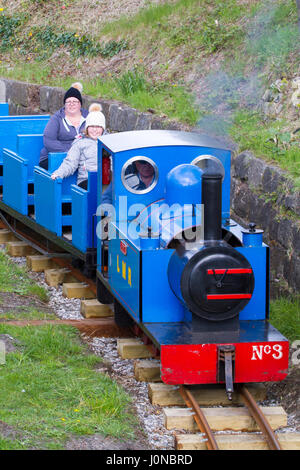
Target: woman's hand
{"type": "Point", "coordinates": [54, 176]}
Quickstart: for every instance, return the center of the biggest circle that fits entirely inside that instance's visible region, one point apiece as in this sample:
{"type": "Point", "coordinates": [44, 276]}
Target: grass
{"type": "Point", "coordinates": [9, 444]}
{"type": "Point", "coordinates": [28, 313]}
{"type": "Point", "coordinates": [285, 316]}
{"type": "Point", "coordinates": [15, 279]}
{"type": "Point", "coordinates": [268, 140]}
{"type": "Point", "coordinates": [162, 15]}
{"type": "Point", "coordinates": [49, 390]}
{"type": "Point", "coordinates": [249, 41]}
{"type": "Point", "coordinates": [139, 91]}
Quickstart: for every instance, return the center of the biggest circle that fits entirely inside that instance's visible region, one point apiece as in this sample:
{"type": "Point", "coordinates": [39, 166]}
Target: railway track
{"type": "Point", "coordinates": [97, 319]}
{"type": "Point", "coordinates": [142, 349]}
{"type": "Point", "coordinates": [252, 406]}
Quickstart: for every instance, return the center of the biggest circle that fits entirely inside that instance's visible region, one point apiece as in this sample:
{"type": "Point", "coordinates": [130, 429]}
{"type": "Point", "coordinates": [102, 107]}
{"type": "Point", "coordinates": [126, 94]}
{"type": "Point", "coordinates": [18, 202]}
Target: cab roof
{"type": "Point", "coordinates": [123, 141]}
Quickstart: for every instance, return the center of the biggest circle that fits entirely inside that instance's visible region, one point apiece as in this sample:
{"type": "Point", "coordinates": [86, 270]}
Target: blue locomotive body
{"type": "Point", "coordinates": [189, 278]}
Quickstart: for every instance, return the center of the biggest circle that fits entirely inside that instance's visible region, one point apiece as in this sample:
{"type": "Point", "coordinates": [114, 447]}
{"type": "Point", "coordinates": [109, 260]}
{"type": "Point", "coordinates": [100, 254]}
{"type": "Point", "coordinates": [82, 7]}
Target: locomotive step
{"type": "Point", "coordinates": [92, 308]}
{"type": "Point", "coordinates": [288, 441]}
{"type": "Point", "coordinates": [221, 419]}
{"type": "Point", "coordinates": [206, 395]}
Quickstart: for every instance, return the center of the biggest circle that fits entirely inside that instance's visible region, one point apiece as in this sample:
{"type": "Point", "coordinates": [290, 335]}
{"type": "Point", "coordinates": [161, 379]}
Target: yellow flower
{"type": "Point", "coordinates": [76, 410]}
{"type": "Point", "coordinates": [30, 34]}
{"type": "Point", "coordinates": [63, 419]}
{"type": "Point", "coordinates": [1, 9]}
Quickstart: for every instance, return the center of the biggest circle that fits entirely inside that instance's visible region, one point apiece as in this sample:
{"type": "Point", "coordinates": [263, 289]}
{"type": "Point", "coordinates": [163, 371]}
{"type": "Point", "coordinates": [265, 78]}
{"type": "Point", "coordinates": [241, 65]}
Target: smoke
{"type": "Point", "coordinates": [239, 83]}
{"type": "Point", "coordinates": [225, 93]}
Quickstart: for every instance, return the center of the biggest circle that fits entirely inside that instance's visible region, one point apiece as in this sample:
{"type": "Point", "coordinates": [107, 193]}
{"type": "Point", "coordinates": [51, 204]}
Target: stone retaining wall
{"type": "Point", "coordinates": [261, 193]}
{"type": "Point", "coordinates": [24, 98]}
{"type": "Point", "coordinates": [264, 194]}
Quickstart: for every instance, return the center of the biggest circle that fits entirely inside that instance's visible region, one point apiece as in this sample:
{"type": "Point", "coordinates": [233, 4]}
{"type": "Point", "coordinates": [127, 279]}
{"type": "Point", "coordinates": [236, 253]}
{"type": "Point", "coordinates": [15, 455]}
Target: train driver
{"type": "Point", "coordinates": [138, 176]}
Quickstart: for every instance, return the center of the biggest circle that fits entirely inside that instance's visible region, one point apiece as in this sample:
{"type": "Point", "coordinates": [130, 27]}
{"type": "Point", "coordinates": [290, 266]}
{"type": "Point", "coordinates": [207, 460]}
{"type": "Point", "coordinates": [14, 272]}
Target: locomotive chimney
{"type": "Point", "coordinates": [212, 200]}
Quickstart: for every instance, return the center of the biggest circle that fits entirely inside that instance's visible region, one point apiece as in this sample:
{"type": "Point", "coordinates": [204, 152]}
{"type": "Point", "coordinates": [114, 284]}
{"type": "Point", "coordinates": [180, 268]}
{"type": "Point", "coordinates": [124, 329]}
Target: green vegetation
{"type": "Point", "coordinates": [50, 390]}
{"type": "Point", "coordinates": [171, 100]}
{"type": "Point", "coordinates": [15, 279]}
{"type": "Point", "coordinates": [164, 51]}
{"type": "Point", "coordinates": [9, 26]}
{"type": "Point", "coordinates": [20, 312]}
{"type": "Point", "coordinates": [43, 41]}
{"type": "Point", "coordinates": [272, 35]}
{"type": "Point", "coordinates": [285, 316]}
{"type": "Point", "coordinates": [269, 140]}
{"type": "Point", "coordinates": [9, 444]}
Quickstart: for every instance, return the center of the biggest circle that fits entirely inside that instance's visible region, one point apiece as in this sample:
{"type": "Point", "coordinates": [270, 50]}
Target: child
{"type": "Point", "coordinates": [82, 156]}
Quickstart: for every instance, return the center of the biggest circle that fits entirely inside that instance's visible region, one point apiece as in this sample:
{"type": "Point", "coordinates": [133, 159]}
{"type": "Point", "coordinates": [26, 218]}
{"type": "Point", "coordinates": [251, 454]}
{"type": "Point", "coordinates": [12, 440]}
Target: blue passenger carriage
{"type": "Point", "coordinates": [43, 205]}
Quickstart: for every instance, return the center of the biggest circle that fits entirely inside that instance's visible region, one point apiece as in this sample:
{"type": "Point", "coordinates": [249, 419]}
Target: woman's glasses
{"type": "Point", "coordinates": [70, 102]}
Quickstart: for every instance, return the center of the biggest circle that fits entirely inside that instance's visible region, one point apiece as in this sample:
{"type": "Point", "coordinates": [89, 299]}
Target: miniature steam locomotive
{"type": "Point", "coordinates": [174, 262]}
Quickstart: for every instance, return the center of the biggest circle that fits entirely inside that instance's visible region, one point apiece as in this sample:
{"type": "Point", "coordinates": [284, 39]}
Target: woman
{"type": "Point", "coordinates": [65, 125]}
{"type": "Point", "coordinates": [82, 156]}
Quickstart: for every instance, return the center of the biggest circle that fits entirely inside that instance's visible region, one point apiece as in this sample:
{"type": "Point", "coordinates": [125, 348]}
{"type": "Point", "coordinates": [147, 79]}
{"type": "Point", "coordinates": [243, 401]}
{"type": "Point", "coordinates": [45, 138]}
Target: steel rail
{"type": "Point", "coordinates": [199, 417]}
{"type": "Point", "coordinates": [60, 259]}
{"type": "Point", "coordinates": [29, 240]}
{"type": "Point", "coordinates": [260, 418]}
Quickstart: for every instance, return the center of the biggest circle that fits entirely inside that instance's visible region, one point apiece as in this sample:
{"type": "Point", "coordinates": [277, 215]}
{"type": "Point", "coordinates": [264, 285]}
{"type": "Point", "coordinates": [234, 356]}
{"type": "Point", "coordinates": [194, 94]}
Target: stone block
{"type": "Point", "coordinates": [19, 249]}
{"type": "Point", "coordinates": [133, 348]}
{"type": "Point", "coordinates": [51, 99]}
{"type": "Point", "coordinates": [20, 93]}
{"type": "Point", "coordinates": [143, 121]}
{"type": "Point", "coordinates": [245, 441]}
{"type": "Point", "coordinates": [2, 91]}
{"type": "Point", "coordinates": [256, 171]}
{"type": "Point", "coordinates": [226, 418]}
{"type": "Point", "coordinates": [92, 308]}
{"type": "Point", "coordinates": [122, 118]}
{"type": "Point", "coordinates": [55, 277]}
{"type": "Point", "coordinates": [5, 236]}
{"type": "Point", "coordinates": [285, 232]}
{"type": "Point", "coordinates": [115, 117]}
{"type": "Point", "coordinates": [158, 123]}
{"type": "Point", "coordinates": [38, 263]}
{"type": "Point", "coordinates": [147, 370]}
{"type": "Point", "coordinates": [168, 395]}
{"type": "Point", "coordinates": [77, 290]}
{"type": "Point", "coordinates": [241, 165]}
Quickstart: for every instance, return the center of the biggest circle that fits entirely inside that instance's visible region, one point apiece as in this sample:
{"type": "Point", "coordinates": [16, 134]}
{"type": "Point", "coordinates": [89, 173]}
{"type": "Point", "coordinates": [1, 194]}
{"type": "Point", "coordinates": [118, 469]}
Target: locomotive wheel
{"type": "Point", "coordinates": [122, 318]}
{"type": "Point", "coordinates": [103, 294]}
